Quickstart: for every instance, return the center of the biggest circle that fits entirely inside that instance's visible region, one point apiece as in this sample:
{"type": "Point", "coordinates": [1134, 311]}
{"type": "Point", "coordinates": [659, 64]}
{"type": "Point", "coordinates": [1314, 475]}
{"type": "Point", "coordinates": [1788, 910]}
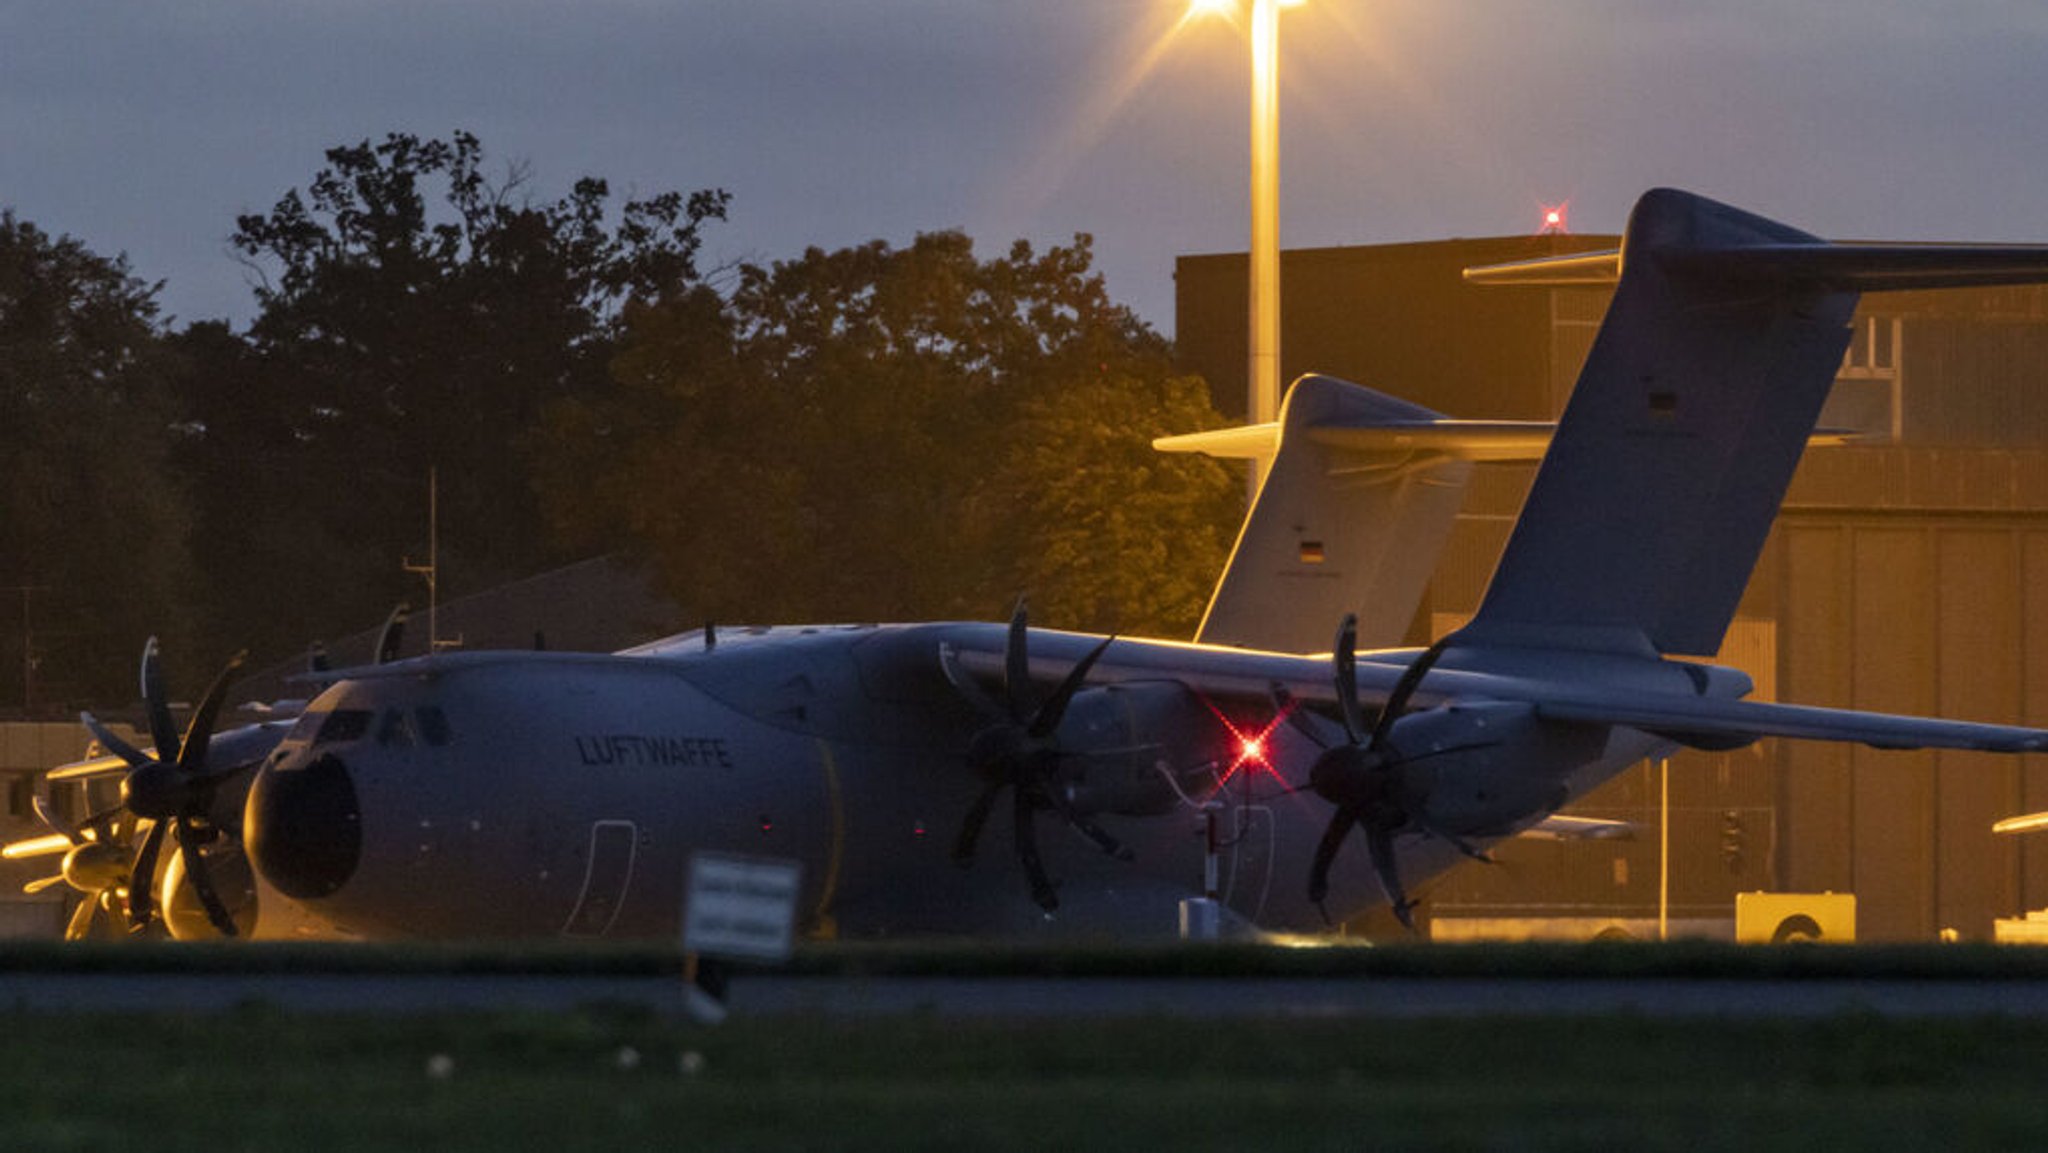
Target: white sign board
{"type": "Point", "coordinates": [741, 908]}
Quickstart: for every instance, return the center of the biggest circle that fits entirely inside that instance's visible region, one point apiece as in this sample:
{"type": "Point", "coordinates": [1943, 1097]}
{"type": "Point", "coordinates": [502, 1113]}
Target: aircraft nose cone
{"type": "Point", "coordinates": [303, 826]}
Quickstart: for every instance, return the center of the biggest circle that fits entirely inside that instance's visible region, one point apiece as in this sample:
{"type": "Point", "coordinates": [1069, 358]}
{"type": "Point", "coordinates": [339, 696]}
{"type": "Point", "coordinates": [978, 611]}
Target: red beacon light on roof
{"type": "Point", "coordinates": [1555, 219]}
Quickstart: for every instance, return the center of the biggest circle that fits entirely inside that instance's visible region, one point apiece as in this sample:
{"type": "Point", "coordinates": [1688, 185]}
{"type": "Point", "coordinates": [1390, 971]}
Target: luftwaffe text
{"type": "Point", "coordinates": [630, 750]}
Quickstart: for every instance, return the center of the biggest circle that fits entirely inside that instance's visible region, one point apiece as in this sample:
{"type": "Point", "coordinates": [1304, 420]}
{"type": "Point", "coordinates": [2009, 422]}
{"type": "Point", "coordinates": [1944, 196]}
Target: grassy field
{"type": "Point", "coordinates": [261, 1078]}
{"type": "Point", "coordinates": [613, 1078]}
{"type": "Point", "coordinates": [1626, 960]}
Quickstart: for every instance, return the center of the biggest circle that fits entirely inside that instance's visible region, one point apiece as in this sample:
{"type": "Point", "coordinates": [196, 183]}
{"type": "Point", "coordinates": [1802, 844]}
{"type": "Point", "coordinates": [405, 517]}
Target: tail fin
{"type": "Point", "coordinates": [1361, 495]}
{"type": "Point", "coordinates": [1706, 378]}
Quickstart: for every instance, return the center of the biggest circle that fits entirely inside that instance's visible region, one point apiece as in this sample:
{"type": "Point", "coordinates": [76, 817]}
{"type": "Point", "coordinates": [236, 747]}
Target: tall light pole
{"type": "Point", "coordinates": [1262, 376]}
{"type": "Point", "coordinates": [1263, 399]}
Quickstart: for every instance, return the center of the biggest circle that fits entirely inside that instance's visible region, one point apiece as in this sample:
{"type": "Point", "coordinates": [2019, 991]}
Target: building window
{"type": "Point", "coordinates": [21, 796]}
{"type": "Point", "coordinates": [1866, 398]}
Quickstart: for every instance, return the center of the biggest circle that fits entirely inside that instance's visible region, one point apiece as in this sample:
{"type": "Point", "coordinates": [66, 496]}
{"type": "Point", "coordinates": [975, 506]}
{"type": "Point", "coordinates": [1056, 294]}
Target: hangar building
{"type": "Point", "coordinates": [1907, 572]}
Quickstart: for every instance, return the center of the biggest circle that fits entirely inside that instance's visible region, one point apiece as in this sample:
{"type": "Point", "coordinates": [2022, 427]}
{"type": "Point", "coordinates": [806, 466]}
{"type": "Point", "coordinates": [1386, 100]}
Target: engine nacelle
{"type": "Point", "coordinates": [1122, 742]}
{"type": "Point", "coordinates": [235, 883]}
{"type": "Point", "coordinates": [1467, 768]}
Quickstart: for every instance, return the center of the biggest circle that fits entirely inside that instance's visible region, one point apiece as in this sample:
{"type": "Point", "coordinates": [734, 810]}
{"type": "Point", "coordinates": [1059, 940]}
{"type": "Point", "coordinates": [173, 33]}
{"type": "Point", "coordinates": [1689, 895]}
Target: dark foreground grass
{"type": "Point", "coordinates": [617, 1079]}
{"type": "Point", "coordinates": [1491, 960]}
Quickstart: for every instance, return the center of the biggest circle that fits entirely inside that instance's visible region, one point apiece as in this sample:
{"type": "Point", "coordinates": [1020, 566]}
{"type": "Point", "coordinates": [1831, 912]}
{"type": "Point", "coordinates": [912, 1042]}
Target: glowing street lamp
{"type": "Point", "coordinates": [1263, 376]}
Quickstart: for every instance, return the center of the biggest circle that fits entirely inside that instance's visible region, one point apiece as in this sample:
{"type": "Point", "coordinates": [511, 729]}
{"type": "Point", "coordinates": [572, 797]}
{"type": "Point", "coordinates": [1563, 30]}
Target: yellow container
{"type": "Point", "coordinates": [1781, 918]}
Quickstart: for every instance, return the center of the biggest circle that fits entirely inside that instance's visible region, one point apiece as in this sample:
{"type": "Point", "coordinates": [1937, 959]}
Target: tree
{"type": "Point", "coordinates": [415, 316]}
{"type": "Point", "coordinates": [1121, 537]}
{"type": "Point", "coordinates": [882, 433]}
{"type": "Point", "coordinates": [91, 520]}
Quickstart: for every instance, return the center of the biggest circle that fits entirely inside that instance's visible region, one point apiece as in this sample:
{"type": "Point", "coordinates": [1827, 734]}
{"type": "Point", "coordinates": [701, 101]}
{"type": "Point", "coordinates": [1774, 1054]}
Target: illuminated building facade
{"type": "Point", "coordinates": [1907, 572]}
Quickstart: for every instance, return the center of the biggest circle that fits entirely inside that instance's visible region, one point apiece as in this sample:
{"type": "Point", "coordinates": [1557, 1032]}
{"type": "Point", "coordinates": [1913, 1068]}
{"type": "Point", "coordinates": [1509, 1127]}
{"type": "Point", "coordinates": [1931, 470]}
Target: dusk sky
{"type": "Point", "coordinates": [146, 128]}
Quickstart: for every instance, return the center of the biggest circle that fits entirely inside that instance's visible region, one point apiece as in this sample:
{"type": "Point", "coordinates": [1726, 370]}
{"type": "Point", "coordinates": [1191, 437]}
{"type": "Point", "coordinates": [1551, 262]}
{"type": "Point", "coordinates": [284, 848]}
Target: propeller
{"type": "Point", "coordinates": [95, 862]}
{"type": "Point", "coordinates": [173, 790]}
{"type": "Point", "coordinates": [1018, 750]}
{"type": "Point", "coordinates": [391, 636]}
{"type": "Point", "coordinates": [1363, 773]}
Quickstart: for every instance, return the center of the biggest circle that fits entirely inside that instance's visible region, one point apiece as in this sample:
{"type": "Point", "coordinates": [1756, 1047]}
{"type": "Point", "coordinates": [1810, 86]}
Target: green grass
{"type": "Point", "coordinates": [1595, 960]}
{"type": "Point", "coordinates": [265, 1079]}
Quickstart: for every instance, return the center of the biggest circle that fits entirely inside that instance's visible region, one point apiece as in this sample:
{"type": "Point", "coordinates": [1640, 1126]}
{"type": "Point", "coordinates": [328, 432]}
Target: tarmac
{"type": "Point", "coordinates": [1029, 997]}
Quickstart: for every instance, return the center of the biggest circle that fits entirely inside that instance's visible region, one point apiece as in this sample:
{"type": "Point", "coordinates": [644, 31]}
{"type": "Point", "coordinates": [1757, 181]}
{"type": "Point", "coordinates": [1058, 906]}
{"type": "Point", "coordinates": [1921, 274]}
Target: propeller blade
{"type": "Point", "coordinates": [949, 663]}
{"type": "Point", "coordinates": [1016, 752]}
{"type": "Point", "coordinates": [48, 816]}
{"type": "Point", "coordinates": [1055, 708]}
{"type": "Point", "coordinates": [970, 829]}
{"type": "Point", "coordinates": [1380, 843]}
{"type": "Point", "coordinates": [80, 925]}
{"type": "Point", "coordinates": [43, 846]}
{"type": "Point", "coordinates": [162, 731]}
{"type": "Point", "coordinates": [1306, 723]}
{"type": "Point", "coordinates": [112, 742]}
{"type": "Point", "coordinates": [199, 733]}
{"type": "Point", "coordinates": [1411, 678]}
{"type": "Point", "coordinates": [1086, 827]}
{"type": "Point", "coordinates": [103, 825]}
{"type": "Point", "coordinates": [1326, 852]}
{"type": "Point", "coordinates": [140, 904]}
{"type": "Point", "coordinates": [1027, 850]}
{"type": "Point", "coordinates": [41, 883]}
{"type": "Point", "coordinates": [1454, 840]}
{"type": "Point", "coordinates": [1017, 665]}
{"type": "Point", "coordinates": [392, 635]}
{"type": "Point", "coordinates": [106, 765]}
{"type": "Point", "coordinates": [201, 875]}
{"type": "Point", "coordinates": [1344, 655]}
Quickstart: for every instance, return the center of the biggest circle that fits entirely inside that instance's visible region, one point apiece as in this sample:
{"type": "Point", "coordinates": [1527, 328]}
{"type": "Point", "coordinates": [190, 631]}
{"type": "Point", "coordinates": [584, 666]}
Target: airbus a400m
{"type": "Point", "coordinates": [537, 794]}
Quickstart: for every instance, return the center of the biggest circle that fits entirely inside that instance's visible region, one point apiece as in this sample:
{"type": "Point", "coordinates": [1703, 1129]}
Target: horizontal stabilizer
{"type": "Point", "coordinates": [1559, 827]}
{"type": "Point", "coordinates": [1833, 267]}
{"type": "Point", "coordinates": [1487, 440]}
{"type": "Point", "coordinates": [1491, 441]}
{"type": "Point", "coordinates": [1551, 271]}
{"type": "Point", "coordinates": [1244, 442]}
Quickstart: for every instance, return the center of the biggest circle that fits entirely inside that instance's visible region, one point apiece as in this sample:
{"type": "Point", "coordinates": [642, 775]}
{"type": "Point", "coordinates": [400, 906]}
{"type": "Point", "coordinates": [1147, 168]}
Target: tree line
{"type": "Point", "coordinates": [868, 433]}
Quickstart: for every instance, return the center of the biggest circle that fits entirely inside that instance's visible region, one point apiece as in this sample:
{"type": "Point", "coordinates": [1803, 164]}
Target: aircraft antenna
{"type": "Point", "coordinates": [28, 648]}
{"type": "Point", "coordinates": [432, 569]}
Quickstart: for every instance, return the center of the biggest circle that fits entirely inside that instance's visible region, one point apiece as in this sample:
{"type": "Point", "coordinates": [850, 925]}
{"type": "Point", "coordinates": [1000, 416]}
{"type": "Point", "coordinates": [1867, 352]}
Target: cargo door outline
{"type": "Point", "coordinates": [1251, 848]}
{"type": "Point", "coordinates": [607, 874]}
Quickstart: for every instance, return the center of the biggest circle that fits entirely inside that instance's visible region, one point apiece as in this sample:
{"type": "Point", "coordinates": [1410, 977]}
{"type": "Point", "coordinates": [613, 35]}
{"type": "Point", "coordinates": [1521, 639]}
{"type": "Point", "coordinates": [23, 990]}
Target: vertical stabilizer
{"type": "Point", "coordinates": [1359, 500]}
{"type": "Point", "coordinates": [1724, 337]}
{"type": "Point", "coordinates": [1675, 449]}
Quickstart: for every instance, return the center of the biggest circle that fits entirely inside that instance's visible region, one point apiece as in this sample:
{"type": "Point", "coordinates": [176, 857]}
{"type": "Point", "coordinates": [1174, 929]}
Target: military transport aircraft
{"type": "Point", "coordinates": [540, 794]}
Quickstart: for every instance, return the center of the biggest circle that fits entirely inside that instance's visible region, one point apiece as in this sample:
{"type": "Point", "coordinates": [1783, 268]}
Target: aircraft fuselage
{"type": "Point", "coordinates": [524, 795]}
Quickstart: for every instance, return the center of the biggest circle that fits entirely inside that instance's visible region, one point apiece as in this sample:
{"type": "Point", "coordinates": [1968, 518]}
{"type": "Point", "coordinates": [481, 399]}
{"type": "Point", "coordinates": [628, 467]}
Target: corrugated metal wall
{"type": "Point", "coordinates": [1910, 576]}
{"type": "Point", "coordinates": [1916, 613]}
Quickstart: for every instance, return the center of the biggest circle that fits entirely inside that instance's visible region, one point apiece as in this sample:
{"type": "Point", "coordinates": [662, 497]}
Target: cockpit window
{"type": "Point", "coordinates": [344, 725]}
{"type": "Point", "coordinates": [394, 731]}
{"type": "Point", "coordinates": [306, 726]}
{"type": "Point", "coordinates": [433, 725]}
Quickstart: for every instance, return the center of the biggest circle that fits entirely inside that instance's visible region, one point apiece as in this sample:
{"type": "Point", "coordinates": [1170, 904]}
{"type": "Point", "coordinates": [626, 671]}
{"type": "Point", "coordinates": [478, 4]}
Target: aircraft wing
{"type": "Point", "coordinates": [1691, 719]}
{"type": "Point", "coordinates": [1714, 722]}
